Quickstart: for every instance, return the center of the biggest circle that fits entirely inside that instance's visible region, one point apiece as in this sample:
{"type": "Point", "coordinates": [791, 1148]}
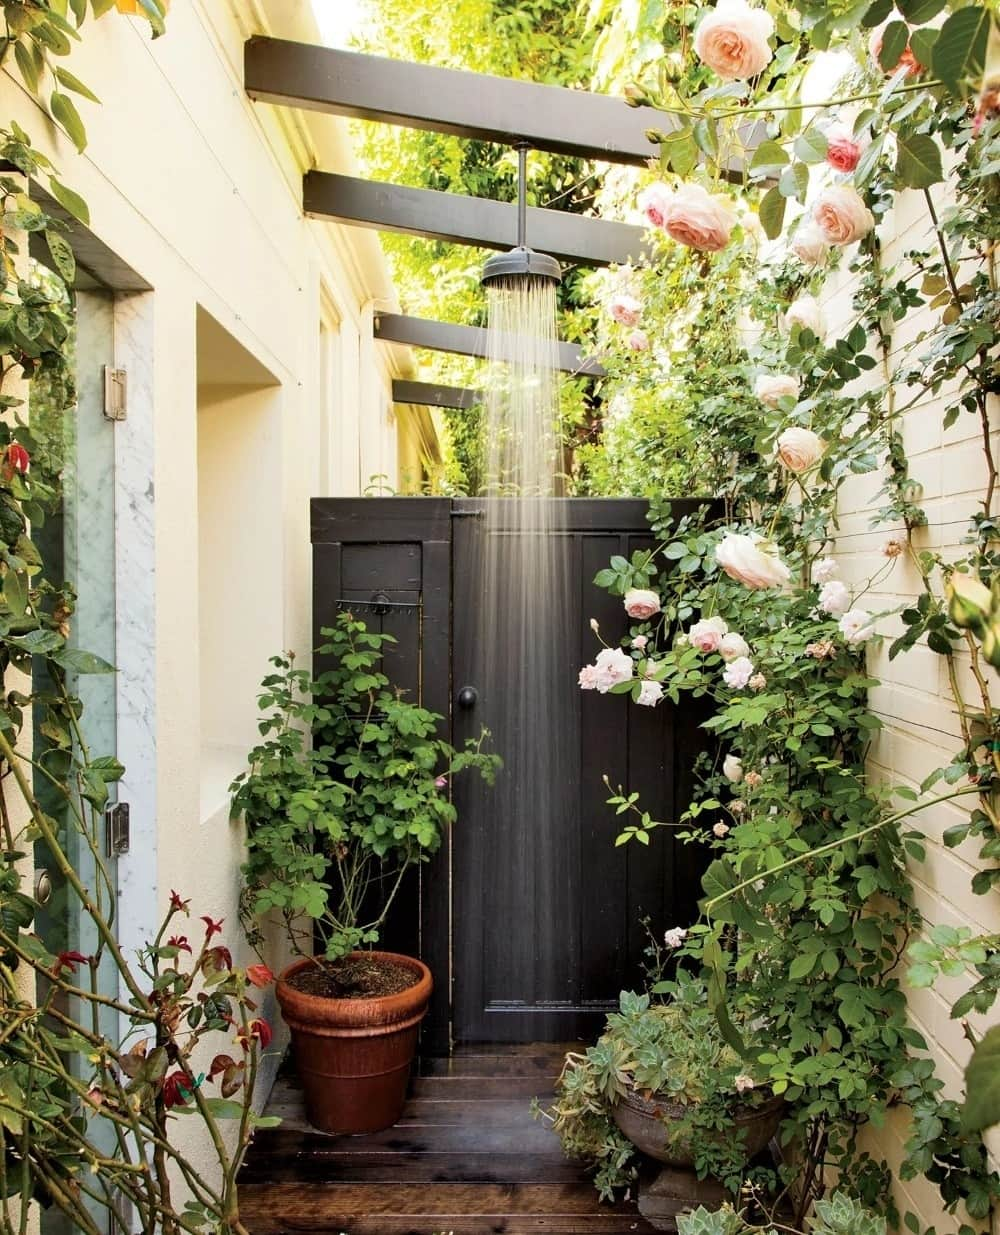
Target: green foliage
{"type": "Point", "coordinates": [348, 790]}
{"type": "Point", "coordinates": [670, 1046]}
{"type": "Point", "coordinates": [982, 1084]}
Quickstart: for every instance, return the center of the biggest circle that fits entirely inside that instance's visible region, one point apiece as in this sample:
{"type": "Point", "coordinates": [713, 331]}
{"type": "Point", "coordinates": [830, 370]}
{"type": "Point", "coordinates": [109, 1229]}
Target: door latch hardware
{"type": "Point", "coordinates": [115, 393]}
{"type": "Point", "coordinates": [116, 824]}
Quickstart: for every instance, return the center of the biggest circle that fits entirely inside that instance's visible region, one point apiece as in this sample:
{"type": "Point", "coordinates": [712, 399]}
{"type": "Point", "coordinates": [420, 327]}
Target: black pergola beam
{"type": "Point", "coordinates": [476, 105]}
{"type": "Point", "coordinates": [430, 394]}
{"type": "Point", "coordinates": [475, 221]}
{"type": "Point", "coordinates": [468, 341]}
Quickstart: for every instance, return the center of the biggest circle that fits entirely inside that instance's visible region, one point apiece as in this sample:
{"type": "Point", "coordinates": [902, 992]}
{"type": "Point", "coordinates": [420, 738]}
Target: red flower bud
{"type": "Point", "coordinates": [177, 904]}
{"type": "Point", "coordinates": [18, 459]}
{"type": "Point", "coordinates": [259, 975]}
{"type": "Point", "coordinates": [69, 960]}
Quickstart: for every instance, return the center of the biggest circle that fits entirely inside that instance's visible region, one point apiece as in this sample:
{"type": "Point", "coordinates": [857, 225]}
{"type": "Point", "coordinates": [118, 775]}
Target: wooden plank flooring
{"type": "Point", "coordinates": [465, 1158]}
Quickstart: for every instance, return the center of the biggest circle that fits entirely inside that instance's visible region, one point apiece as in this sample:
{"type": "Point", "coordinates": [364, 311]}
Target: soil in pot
{"type": "Point", "coordinates": [354, 977]}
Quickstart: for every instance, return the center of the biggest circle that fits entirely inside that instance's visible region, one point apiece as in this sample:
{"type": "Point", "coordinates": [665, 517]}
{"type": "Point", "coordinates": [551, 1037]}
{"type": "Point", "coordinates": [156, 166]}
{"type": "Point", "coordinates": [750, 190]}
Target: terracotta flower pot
{"type": "Point", "coordinates": [653, 1126]}
{"type": "Point", "coordinates": [353, 1055]}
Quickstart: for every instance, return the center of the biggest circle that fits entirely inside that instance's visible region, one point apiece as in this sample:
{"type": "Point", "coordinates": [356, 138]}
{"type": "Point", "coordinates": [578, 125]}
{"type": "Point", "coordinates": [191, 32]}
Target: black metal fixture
{"type": "Point", "coordinates": [521, 262]}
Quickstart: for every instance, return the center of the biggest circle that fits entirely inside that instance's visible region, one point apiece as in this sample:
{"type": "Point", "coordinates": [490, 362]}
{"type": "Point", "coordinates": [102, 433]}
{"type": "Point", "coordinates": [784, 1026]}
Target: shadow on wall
{"type": "Point", "coordinates": [240, 549]}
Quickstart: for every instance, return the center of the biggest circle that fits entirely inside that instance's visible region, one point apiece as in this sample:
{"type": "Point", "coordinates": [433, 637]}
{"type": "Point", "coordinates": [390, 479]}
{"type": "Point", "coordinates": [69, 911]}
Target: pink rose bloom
{"type": "Point", "coordinates": [907, 59]}
{"type": "Point", "coordinates": [641, 604]}
{"type": "Point", "coordinates": [757, 682]}
{"type": "Point", "coordinates": [732, 40]}
{"type": "Point", "coordinates": [738, 672]}
{"type": "Point", "coordinates": [743, 559]}
{"type": "Point", "coordinates": [650, 694]}
{"type": "Point", "coordinates": [638, 341]}
{"type": "Point", "coordinates": [694, 217]}
{"type": "Point", "coordinates": [799, 449]}
{"type": "Point", "coordinates": [804, 312]}
{"type": "Point", "coordinates": [639, 642]}
{"type": "Point", "coordinates": [843, 150]}
{"type": "Point", "coordinates": [613, 666]}
{"type": "Point", "coordinates": [707, 634]}
{"type": "Point", "coordinates": [743, 1083]}
{"type": "Point", "coordinates": [753, 779]}
{"type": "Point", "coordinates": [809, 244]}
{"type": "Point", "coordinates": [770, 387]}
{"type": "Point", "coordinates": [589, 677]}
{"type": "Point", "coordinates": [674, 937]}
{"type": "Point", "coordinates": [626, 310]}
{"type": "Point", "coordinates": [834, 598]}
{"type": "Point", "coordinates": [841, 215]}
{"type": "Point", "coordinates": [653, 203]}
{"type": "Point", "coordinates": [720, 830]}
{"type": "Point", "coordinates": [856, 626]}
{"type": "Point", "coordinates": [825, 569]}
{"type": "Point", "coordinates": [733, 646]}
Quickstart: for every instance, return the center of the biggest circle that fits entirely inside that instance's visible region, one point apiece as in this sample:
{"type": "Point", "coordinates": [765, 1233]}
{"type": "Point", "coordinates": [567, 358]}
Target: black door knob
{"type": "Point", "coordinates": [467, 697]}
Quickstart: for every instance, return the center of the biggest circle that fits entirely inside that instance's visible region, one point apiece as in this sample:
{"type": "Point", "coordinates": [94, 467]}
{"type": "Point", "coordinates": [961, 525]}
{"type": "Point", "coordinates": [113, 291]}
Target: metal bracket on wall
{"type": "Point", "coordinates": [115, 393]}
{"type": "Point", "coordinates": [379, 604]}
{"type": "Point", "coordinates": [116, 825]}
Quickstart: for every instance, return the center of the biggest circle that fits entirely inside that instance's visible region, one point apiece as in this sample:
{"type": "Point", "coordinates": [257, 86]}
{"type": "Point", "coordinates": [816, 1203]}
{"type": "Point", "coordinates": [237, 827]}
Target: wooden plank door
{"type": "Point", "coordinates": [547, 912]}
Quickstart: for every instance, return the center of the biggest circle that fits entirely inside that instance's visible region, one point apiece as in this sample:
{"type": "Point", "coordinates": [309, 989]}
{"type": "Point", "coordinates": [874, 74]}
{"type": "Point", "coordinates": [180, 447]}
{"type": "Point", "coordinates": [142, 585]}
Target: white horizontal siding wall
{"type": "Point", "coordinates": [914, 701]}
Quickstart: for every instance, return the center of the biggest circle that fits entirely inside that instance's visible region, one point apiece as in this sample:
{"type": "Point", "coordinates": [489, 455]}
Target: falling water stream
{"type": "Point", "coordinates": [525, 594]}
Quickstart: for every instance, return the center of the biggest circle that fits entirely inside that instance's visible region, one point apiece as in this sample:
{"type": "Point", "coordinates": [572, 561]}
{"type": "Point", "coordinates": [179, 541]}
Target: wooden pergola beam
{"type": "Point", "coordinates": [477, 221]}
{"type": "Point", "coordinates": [468, 341]}
{"type": "Point", "coordinates": [476, 105]}
{"type": "Point", "coordinates": [430, 394]}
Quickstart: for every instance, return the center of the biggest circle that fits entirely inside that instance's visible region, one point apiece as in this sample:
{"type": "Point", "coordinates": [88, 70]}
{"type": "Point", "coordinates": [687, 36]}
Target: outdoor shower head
{"type": "Point", "coordinates": [521, 263]}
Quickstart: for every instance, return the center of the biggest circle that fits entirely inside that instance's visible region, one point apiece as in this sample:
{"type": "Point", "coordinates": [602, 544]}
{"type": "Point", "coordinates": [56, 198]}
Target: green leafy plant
{"type": "Point", "coordinates": [348, 790]}
{"type": "Point", "coordinates": [841, 1214]}
{"type": "Point", "coordinates": [669, 1046]}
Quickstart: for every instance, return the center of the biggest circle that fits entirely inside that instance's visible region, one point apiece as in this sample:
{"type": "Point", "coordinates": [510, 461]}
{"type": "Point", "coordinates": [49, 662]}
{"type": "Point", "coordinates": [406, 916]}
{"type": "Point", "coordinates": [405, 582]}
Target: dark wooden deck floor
{"type": "Point", "coordinates": [466, 1158]}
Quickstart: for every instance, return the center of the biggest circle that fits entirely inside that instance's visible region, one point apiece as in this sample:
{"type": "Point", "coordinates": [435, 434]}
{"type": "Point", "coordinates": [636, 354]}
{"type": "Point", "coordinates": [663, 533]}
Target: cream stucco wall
{"type": "Point", "coordinates": [920, 726]}
{"type": "Point", "coordinates": [288, 397]}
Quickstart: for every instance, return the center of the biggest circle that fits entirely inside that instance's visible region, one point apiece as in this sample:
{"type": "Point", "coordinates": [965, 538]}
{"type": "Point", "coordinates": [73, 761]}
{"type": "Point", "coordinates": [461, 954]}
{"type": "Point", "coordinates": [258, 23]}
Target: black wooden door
{"type": "Point", "coordinates": [548, 913]}
{"type": "Point", "coordinates": [531, 929]}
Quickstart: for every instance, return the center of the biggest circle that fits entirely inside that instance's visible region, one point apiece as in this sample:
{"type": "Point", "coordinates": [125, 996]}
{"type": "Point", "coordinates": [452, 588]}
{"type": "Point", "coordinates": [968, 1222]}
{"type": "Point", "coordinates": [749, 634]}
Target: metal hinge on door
{"type": "Point", "coordinates": [115, 393]}
{"type": "Point", "coordinates": [116, 823]}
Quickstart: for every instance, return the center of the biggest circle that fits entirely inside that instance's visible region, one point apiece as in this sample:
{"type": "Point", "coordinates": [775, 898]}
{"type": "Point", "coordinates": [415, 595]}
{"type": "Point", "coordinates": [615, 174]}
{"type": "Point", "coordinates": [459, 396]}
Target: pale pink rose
{"type": "Point", "coordinates": [809, 244]}
{"type": "Point", "coordinates": [753, 779]}
{"type": "Point", "coordinates": [674, 937]}
{"type": "Point", "coordinates": [652, 668]}
{"type": "Point", "coordinates": [650, 694]}
{"type": "Point", "coordinates": [825, 569]}
{"type": "Point", "coordinates": [856, 626]}
{"type": "Point", "coordinates": [653, 202]}
{"type": "Point", "coordinates": [770, 387]}
{"type": "Point", "coordinates": [834, 598]}
{"type": "Point", "coordinates": [733, 646]}
{"type": "Point", "coordinates": [638, 341]}
{"type": "Point", "coordinates": [805, 313]}
{"type": "Point", "coordinates": [751, 561]}
{"type": "Point", "coordinates": [757, 682]}
{"type": "Point", "coordinates": [707, 634]}
{"type": "Point", "coordinates": [737, 807]}
{"type": "Point", "coordinates": [589, 677]}
{"type": "Point", "coordinates": [799, 449]}
{"type": "Point", "coordinates": [841, 215]}
{"type": "Point", "coordinates": [639, 642]}
{"type": "Point", "coordinates": [698, 219]}
{"type": "Point", "coordinates": [732, 769]}
{"type": "Point", "coordinates": [613, 666]}
{"type": "Point", "coordinates": [626, 310]}
{"type": "Point", "coordinates": [732, 40]}
{"type": "Point", "coordinates": [894, 546]}
{"type": "Point", "coordinates": [641, 604]}
{"type": "Point", "coordinates": [743, 1083]}
{"type": "Point", "coordinates": [441, 782]}
{"type": "Point", "coordinates": [825, 649]}
{"type": "Point", "coordinates": [738, 672]}
{"type": "Point", "coordinates": [720, 829]}
{"type": "Point", "coordinates": [906, 59]}
{"type": "Point", "coordinates": [843, 150]}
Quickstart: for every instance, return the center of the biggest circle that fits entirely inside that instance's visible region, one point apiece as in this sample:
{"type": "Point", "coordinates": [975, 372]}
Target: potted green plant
{"type": "Point", "coordinates": [662, 1081]}
{"type": "Point", "coordinates": [348, 790]}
